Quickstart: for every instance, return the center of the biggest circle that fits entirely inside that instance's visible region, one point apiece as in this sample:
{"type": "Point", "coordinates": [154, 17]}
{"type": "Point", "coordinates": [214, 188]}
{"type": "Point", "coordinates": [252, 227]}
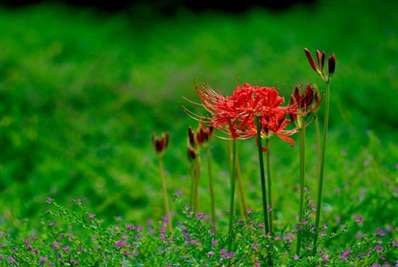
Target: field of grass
{"type": "Point", "coordinates": [81, 94]}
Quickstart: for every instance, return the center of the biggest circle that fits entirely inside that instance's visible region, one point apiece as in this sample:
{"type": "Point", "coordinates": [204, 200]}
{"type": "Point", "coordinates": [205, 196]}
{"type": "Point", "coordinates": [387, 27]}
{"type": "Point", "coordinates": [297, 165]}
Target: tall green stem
{"type": "Point", "coordinates": [196, 184]}
{"type": "Point", "coordinates": [165, 195]}
{"type": "Point", "coordinates": [232, 199]}
{"type": "Point", "coordinates": [302, 164]}
{"type": "Point", "coordinates": [267, 156]}
{"type": "Point", "coordinates": [211, 190]}
{"type": "Point", "coordinates": [241, 192]}
{"type": "Point", "coordinates": [322, 164]}
{"type": "Point", "coordinates": [262, 175]}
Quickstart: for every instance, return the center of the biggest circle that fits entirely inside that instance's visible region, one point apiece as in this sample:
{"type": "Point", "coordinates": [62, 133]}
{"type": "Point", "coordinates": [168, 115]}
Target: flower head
{"type": "Point", "coordinates": [236, 114]}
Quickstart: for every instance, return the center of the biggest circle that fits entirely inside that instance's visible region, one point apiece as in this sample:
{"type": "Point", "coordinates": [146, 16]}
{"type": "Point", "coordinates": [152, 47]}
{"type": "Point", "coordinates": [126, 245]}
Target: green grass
{"type": "Point", "coordinates": [81, 94]}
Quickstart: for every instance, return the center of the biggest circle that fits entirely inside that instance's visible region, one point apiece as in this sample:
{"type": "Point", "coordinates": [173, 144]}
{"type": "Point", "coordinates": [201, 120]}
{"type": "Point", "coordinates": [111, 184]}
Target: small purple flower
{"type": "Point", "coordinates": [395, 243]}
{"type": "Point", "coordinates": [163, 233]}
{"type": "Point", "coordinates": [43, 260]}
{"type": "Point", "coordinates": [50, 200]}
{"type": "Point", "coordinates": [345, 254]}
{"type": "Point", "coordinates": [66, 249]}
{"type": "Point", "coordinates": [11, 260]}
{"type": "Point", "coordinates": [380, 232]}
{"type": "Point", "coordinates": [210, 254]}
{"type": "Point", "coordinates": [120, 243]}
{"type": "Point", "coordinates": [129, 227]}
{"type": "Point", "coordinates": [375, 265]}
{"type": "Point", "coordinates": [178, 193]}
{"type": "Point", "coordinates": [378, 248]}
{"type": "Point", "coordinates": [201, 216]}
{"type": "Point", "coordinates": [55, 245]}
{"type": "Point", "coordinates": [194, 242]}
{"type": "Point", "coordinates": [325, 257]}
{"type": "Point", "coordinates": [226, 254]}
{"type": "Point", "coordinates": [358, 219]}
{"type": "Point", "coordinates": [214, 243]}
{"type": "Point", "coordinates": [296, 257]}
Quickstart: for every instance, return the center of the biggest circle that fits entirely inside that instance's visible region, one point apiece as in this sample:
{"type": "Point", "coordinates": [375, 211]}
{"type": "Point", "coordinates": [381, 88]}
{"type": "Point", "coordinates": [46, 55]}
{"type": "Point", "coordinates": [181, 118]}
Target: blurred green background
{"type": "Point", "coordinates": [81, 93]}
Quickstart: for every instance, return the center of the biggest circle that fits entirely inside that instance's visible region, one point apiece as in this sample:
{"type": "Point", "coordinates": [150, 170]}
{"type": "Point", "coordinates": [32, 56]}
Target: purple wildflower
{"type": "Point", "coordinates": [55, 245]}
{"type": "Point", "coordinates": [178, 193]}
{"type": "Point", "coordinates": [163, 233]}
{"type": "Point", "coordinates": [120, 243]}
{"type": "Point", "coordinates": [214, 242]}
{"type": "Point", "coordinates": [395, 243]}
{"type": "Point", "coordinates": [345, 254]}
{"type": "Point", "coordinates": [201, 216]}
{"type": "Point", "coordinates": [210, 254]}
{"type": "Point", "coordinates": [129, 227]}
{"type": "Point", "coordinates": [325, 257]}
{"type": "Point", "coordinates": [43, 260]}
{"type": "Point", "coordinates": [378, 248]}
{"type": "Point", "coordinates": [194, 242]}
{"type": "Point", "coordinates": [296, 257]}
{"type": "Point", "coordinates": [358, 219]}
{"type": "Point", "coordinates": [380, 232]}
{"type": "Point", "coordinates": [50, 200]}
{"type": "Point", "coordinates": [11, 260]}
{"type": "Point", "coordinates": [375, 265]}
{"type": "Point", "coordinates": [226, 254]}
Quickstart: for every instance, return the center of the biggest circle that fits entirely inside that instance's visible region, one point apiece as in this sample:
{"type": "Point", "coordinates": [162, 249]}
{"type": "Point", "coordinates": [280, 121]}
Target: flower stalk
{"type": "Point", "coordinates": [165, 195]}
{"type": "Point", "coordinates": [302, 177]}
{"type": "Point", "coordinates": [262, 176]}
{"type": "Point", "coordinates": [232, 197]}
{"type": "Point", "coordinates": [267, 157]}
{"type": "Point", "coordinates": [211, 190]}
{"type": "Point", "coordinates": [322, 164]}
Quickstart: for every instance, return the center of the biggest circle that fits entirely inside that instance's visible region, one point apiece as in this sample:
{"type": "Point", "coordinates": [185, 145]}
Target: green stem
{"type": "Point", "coordinates": [165, 197]}
{"type": "Point", "coordinates": [232, 199]}
{"type": "Point", "coordinates": [322, 165]}
{"type": "Point", "coordinates": [241, 192]}
{"type": "Point", "coordinates": [196, 184]}
{"type": "Point", "coordinates": [267, 156]}
{"type": "Point", "coordinates": [211, 190]}
{"type": "Point", "coordinates": [302, 164]}
{"type": "Point", "coordinates": [262, 175]}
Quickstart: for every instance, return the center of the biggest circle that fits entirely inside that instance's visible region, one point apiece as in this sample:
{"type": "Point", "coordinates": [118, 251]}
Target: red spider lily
{"type": "Point", "coordinates": [236, 113]}
{"type": "Point", "coordinates": [304, 103]}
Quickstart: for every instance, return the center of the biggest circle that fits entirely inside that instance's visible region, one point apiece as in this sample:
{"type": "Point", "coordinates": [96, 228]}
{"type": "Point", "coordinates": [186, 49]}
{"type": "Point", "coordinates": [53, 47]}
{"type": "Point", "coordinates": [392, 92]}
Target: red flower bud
{"type": "Point", "coordinates": [191, 137]}
{"type": "Point", "coordinates": [320, 58]}
{"type": "Point", "coordinates": [332, 64]}
{"type": "Point", "coordinates": [160, 143]}
{"type": "Point", "coordinates": [310, 59]}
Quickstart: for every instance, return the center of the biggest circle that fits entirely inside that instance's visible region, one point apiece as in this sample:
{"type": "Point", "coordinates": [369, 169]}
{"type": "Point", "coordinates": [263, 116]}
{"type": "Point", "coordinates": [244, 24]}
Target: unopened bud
{"type": "Point", "coordinates": [332, 64]}
{"type": "Point", "coordinates": [321, 59]}
{"type": "Point", "coordinates": [191, 137]}
{"type": "Point", "coordinates": [310, 59]}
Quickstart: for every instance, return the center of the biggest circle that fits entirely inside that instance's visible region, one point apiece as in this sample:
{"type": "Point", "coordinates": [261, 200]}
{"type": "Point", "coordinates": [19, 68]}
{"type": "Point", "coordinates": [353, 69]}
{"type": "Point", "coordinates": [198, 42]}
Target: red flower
{"type": "Point", "coordinates": [236, 114]}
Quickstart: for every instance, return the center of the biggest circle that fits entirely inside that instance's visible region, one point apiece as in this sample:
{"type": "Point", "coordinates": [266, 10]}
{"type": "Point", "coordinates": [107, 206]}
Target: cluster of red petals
{"type": "Point", "coordinates": [304, 102]}
{"type": "Point", "coordinates": [236, 114]}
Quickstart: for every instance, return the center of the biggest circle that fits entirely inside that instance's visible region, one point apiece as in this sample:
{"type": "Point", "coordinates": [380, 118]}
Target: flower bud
{"type": "Point", "coordinates": [310, 59]}
{"type": "Point", "coordinates": [332, 64]}
{"type": "Point", "coordinates": [321, 59]}
{"type": "Point", "coordinates": [191, 137]}
{"type": "Point", "coordinates": [160, 143]}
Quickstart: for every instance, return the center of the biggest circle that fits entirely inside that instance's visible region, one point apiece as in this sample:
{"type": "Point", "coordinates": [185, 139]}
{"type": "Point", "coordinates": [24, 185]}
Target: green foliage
{"type": "Point", "coordinates": [75, 237]}
{"type": "Point", "coordinates": [81, 94]}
